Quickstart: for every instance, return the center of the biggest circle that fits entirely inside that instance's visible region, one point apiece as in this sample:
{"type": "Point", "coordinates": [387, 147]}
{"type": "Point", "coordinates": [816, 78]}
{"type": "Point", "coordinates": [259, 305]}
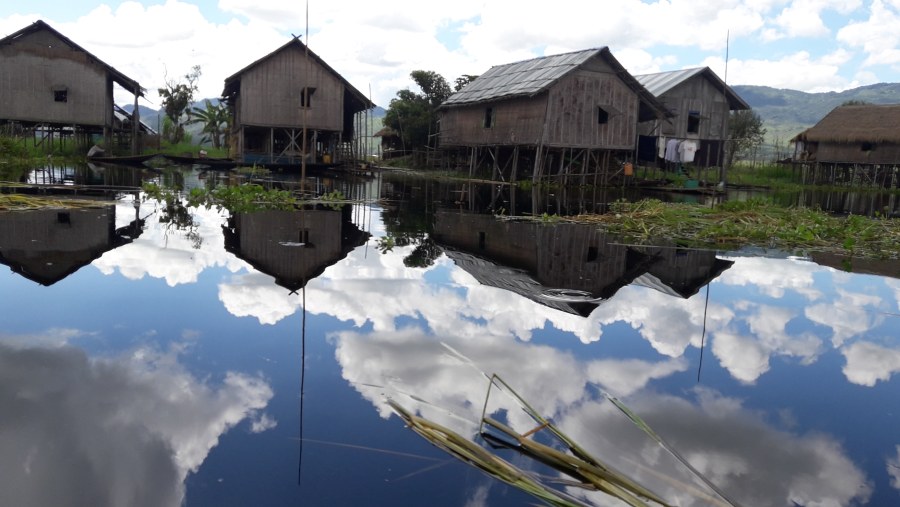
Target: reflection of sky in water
{"type": "Point", "coordinates": [164, 365]}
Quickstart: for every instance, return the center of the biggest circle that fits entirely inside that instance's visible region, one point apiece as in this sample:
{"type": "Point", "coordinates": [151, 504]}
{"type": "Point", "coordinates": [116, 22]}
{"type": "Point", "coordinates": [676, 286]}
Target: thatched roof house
{"type": "Point", "coordinates": [853, 134]}
{"type": "Point", "coordinates": [700, 103]}
{"type": "Point", "coordinates": [275, 97]}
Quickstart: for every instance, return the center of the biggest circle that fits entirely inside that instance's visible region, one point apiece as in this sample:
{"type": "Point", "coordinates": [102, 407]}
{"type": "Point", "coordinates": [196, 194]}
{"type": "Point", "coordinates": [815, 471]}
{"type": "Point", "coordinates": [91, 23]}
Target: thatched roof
{"type": "Point", "coordinates": [529, 78]}
{"type": "Point", "coordinates": [868, 123]}
{"type": "Point", "coordinates": [386, 132]}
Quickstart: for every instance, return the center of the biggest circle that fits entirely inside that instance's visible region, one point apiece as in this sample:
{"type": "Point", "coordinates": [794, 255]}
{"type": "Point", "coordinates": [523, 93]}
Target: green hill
{"type": "Point", "coordinates": [786, 113]}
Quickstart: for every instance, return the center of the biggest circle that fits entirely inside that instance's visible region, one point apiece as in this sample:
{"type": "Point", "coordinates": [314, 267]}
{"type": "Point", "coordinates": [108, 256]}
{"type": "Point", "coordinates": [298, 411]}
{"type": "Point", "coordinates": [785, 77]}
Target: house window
{"type": "Point", "coordinates": [866, 146]}
{"type": "Point", "coordinates": [306, 95]}
{"type": "Point", "coordinates": [488, 117]}
{"type": "Point", "coordinates": [592, 254]}
{"type": "Point", "coordinates": [61, 95]}
{"type": "Point", "coordinates": [304, 236]}
{"type": "Point", "coordinates": [693, 122]}
{"type": "Point", "coordinates": [602, 116]}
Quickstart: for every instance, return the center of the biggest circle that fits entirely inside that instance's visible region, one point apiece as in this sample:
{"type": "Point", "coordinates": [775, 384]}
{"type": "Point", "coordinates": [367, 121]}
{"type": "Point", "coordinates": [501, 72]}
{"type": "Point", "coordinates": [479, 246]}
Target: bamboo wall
{"type": "Point", "coordinates": [260, 237]}
{"type": "Point", "coordinates": [565, 116]}
{"type": "Point", "coordinates": [35, 64]}
{"type": "Point", "coordinates": [852, 153]}
{"type": "Point", "coordinates": [516, 122]}
{"type": "Point", "coordinates": [270, 93]}
{"type": "Point", "coordinates": [696, 94]}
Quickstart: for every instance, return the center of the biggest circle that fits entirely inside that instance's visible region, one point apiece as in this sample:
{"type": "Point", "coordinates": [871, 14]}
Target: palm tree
{"type": "Point", "coordinates": [216, 121]}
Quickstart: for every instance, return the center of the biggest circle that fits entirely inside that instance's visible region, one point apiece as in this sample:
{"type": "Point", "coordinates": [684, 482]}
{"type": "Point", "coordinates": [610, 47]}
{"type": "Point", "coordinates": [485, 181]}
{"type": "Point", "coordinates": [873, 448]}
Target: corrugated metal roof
{"type": "Point", "coordinates": [662, 82]}
{"type": "Point", "coordinates": [525, 78]}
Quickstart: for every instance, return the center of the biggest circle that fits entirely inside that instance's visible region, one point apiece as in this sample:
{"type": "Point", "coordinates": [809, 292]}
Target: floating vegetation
{"type": "Point", "coordinates": [21, 202]}
{"type": "Point", "coordinates": [755, 222]}
{"type": "Point", "coordinates": [581, 469]}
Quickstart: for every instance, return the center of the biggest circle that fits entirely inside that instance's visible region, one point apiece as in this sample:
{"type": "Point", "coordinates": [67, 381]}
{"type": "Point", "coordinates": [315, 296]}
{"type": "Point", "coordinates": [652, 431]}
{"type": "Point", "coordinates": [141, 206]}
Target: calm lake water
{"type": "Point", "coordinates": [160, 355]}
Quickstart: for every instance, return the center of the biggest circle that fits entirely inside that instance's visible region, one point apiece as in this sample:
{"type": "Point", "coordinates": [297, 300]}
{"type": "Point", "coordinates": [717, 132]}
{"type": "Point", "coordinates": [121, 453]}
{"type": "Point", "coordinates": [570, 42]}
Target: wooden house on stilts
{"type": "Point", "coordinates": [572, 115]}
{"type": "Point", "coordinates": [700, 103]}
{"type": "Point", "coordinates": [852, 145]}
{"type": "Point", "coordinates": [290, 103]}
{"type": "Point", "coordinates": [52, 88]}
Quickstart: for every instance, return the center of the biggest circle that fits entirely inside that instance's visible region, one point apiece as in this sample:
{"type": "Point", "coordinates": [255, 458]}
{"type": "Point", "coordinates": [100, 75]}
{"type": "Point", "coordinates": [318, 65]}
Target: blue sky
{"type": "Point", "coordinates": [808, 45]}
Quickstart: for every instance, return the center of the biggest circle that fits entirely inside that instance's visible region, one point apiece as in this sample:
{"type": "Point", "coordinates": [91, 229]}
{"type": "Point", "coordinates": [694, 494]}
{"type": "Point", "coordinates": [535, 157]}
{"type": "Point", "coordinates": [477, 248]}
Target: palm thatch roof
{"type": "Point", "coordinates": [867, 123]}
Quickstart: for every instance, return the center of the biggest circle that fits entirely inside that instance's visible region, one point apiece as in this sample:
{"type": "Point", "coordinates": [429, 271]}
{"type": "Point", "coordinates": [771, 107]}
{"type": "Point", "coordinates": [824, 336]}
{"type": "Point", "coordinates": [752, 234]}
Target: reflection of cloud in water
{"type": "Point", "coordinates": [123, 431]}
{"type": "Point", "coordinates": [746, 357]}
{"type": "Point", "coordinates": [868, 363]}
{"type": "Point", "coordinates": [752, 461]}
{"type": "Point", "coordinates": [774, 277]}
{"type": "Point", "coordinates": [849, 315]}
{"type": "Point", "coordinates": [257, 295]}
{"type": "Point", "coordinates": [167, 253]}
{"type": "Point", "coordinates": [758, 464]}
{"type": "Point", "coordinates": [893, 469]}
{"type": "Point", "coordinates": [407, 361]}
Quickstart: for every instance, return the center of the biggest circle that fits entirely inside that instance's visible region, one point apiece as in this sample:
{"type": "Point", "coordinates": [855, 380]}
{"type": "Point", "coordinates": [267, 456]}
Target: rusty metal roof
{"type": "Point", "coordinates": [661, 82]}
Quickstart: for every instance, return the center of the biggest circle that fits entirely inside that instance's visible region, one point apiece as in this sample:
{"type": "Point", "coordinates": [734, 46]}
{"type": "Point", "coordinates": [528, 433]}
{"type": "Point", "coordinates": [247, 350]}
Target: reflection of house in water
{"type": "Point", "coordinates": [569, 267]}
{"type": "Point", "coordinates": [293, 246]}
{"type": "Point", "coordinates": [681, 272]}
{"type": "Point", "coordinates": [46, 246]}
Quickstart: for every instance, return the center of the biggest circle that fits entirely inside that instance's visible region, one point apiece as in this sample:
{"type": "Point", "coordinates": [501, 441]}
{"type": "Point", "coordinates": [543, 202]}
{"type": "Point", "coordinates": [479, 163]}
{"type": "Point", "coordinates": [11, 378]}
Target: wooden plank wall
{"type": "Point", "coordinates": [31, 67]}
{"type": "Point", "coordinates": [883, 153]}
{"type": "Point", "coordinates": [270, 93]}
{"type": "Point", "coordinates": [695, 94]}
{"type": "Point", "coordinates": [573, 111]}
{"type": "Point", "coordinates": [516, 122]}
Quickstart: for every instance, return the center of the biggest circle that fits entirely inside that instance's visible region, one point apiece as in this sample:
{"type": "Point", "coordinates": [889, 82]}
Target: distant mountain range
{"type": "Point", "coordinates": [786, 113]}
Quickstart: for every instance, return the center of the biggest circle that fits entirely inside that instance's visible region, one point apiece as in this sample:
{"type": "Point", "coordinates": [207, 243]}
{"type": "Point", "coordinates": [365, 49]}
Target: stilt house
{"type": "Point", "coordinates": [700, 103]}
{"type": "Point", "coordinates": [573, 114]}
{"type": "Point", "coordinates": [50, 86]}
{"type": "Point", "coordinates": [277, 98]}
{"type": "Point", "coordinates": [855, 144]}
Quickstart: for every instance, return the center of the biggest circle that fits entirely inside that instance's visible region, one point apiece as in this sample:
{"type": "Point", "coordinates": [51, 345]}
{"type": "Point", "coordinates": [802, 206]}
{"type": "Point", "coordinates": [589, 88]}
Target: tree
{"type": "Point", "coordinates": [177, 97]}
{"type": "Point", "coordinates": [747, 132]}
{"type": "Point", "coordinates": [215, 119]}
{"type": "Point", "coordinates": [462, 81]}
{"type": "Point", "coordinates": [413, 114]}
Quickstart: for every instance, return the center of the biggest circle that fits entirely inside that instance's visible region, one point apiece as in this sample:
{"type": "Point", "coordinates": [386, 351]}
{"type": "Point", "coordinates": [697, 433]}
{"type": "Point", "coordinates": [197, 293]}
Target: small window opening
{"type": "Point", "coordinates": [592, 254]}
{"type": "Point", "coordinates": [866, 146]}
{"type": "Point", "coordinates": [61, 95]}
{"type": "Point", "coordinates": [481, 241]}
{"type": "Point", "coordinates": [63, 217]}
{"type": "Point", "coordinates": [306, 95]}
{"type": "Point", "coordinates": [304, 236]}
{"type": "Point", "coordinates": [693, 122]}
{"type": "Point", "coordinates": [488, 117]}
{"type": "Point", "coordinates": [602, 116]}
